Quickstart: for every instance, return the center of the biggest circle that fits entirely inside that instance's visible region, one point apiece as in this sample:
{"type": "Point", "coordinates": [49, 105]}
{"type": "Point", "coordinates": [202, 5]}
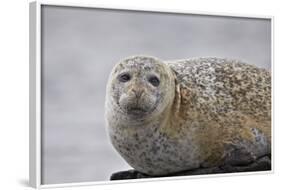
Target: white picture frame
{"type": "Point", "coordinates": [35, 170]}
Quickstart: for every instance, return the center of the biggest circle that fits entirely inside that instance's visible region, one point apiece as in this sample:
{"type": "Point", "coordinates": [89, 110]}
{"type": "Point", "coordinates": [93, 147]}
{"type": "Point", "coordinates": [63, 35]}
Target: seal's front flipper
{"type": "Point", "coordinates": [260, 164]}
{"type": "Point", "coordinates": [239, 157]}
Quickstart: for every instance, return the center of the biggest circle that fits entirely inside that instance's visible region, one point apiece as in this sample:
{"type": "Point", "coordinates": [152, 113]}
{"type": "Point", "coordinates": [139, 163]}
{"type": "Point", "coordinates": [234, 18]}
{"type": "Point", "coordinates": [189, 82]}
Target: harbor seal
{"type": "Point", "coordinates": [165, 117]}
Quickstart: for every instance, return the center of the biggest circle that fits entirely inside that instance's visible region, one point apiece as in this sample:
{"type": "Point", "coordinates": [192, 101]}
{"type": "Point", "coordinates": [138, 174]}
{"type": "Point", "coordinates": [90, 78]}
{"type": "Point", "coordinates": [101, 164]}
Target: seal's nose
{"type": "Point", "coordinates": [138, 92]}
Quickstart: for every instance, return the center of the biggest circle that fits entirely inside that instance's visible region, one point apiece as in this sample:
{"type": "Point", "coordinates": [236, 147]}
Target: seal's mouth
{"type": "Point", "coordinates": [136, 111]}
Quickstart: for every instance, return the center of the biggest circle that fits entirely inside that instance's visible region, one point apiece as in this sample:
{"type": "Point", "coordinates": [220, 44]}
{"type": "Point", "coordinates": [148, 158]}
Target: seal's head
{"type": "Point", "coordinates": [140, 87]}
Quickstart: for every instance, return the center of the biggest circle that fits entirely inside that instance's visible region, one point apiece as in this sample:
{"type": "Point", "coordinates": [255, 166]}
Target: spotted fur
{"type": "Point", "coordinates": [217, 112]}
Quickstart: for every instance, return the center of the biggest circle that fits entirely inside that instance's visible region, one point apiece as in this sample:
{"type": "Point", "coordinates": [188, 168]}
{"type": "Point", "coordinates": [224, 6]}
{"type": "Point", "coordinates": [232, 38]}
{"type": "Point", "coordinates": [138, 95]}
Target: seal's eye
{"type": "Point", "coordinates": [124, 77]}
{"type": "Point", "coordinates": [154, 80]}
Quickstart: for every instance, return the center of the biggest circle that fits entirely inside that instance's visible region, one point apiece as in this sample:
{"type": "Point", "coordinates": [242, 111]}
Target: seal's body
{"type": "Point", "coordinates": [167, 117]}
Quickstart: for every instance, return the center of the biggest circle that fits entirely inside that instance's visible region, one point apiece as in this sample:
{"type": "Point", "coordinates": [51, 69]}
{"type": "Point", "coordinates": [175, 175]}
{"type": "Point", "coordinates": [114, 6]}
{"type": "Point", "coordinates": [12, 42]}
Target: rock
{"type": "Point", "coordinates": [261, 164]}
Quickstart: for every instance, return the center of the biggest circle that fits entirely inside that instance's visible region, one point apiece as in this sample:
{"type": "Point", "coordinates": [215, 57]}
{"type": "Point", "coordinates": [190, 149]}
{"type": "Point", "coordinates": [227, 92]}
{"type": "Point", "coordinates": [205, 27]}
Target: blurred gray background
{"type": "Point", "coordinates": [79, 48]}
